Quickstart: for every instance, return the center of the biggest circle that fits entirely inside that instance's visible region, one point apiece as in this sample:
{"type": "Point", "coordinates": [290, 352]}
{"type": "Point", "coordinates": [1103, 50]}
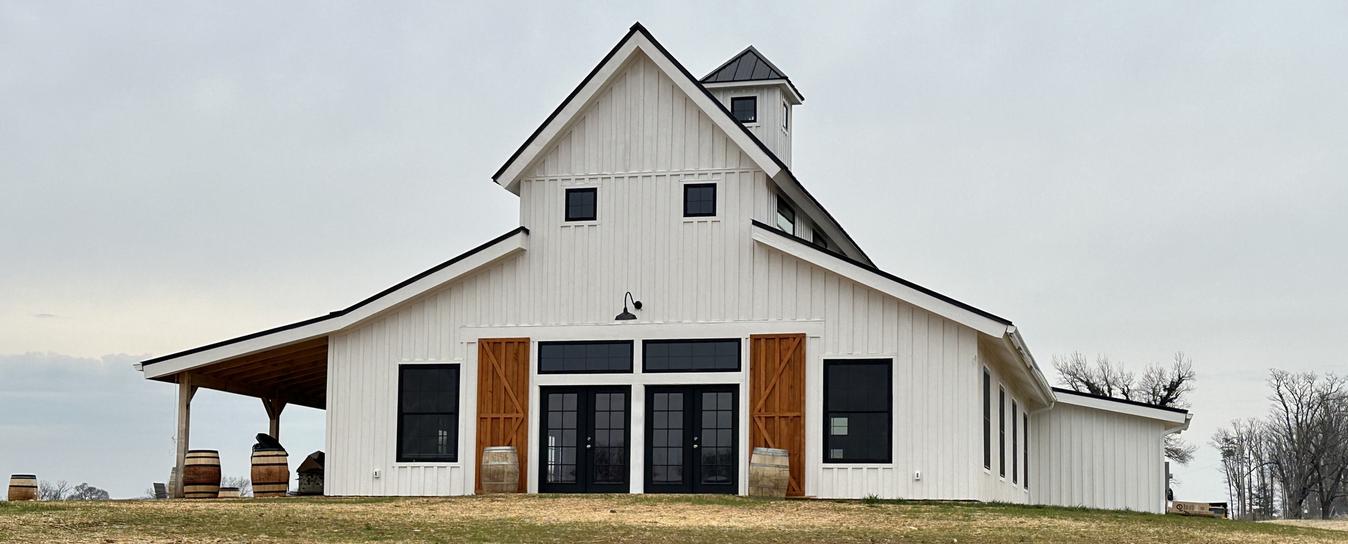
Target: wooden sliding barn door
{"type": "Point", "coordinates": [503, 400]}
{"type": "Point", "coordinates": [777, 400]}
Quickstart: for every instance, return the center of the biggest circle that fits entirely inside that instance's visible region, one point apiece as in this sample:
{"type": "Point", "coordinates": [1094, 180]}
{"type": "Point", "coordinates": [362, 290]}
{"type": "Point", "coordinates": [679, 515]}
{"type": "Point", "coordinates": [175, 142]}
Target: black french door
{"type": "Point", "coordinates": [692, 439]}
{"type": "Point", "coordinates": [584, 439]}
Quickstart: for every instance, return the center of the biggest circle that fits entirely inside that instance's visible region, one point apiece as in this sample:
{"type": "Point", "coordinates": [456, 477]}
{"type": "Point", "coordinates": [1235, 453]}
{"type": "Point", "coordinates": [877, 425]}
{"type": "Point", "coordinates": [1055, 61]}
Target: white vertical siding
{"type": "Point", "coordinates": [1097, 459]}
{"type": "Point", "coordinates": [768, 129]}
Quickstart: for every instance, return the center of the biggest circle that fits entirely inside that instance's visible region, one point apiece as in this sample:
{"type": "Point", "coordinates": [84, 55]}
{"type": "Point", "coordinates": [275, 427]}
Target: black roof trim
{"type": "Point", "coordinates": [886, 275]}
{"type": "Point", "coordinates": [346, 310]}
{"type": "Point", "coordinates": [728, 70]}
{"type": "Point", "coordinates": [1121, 401]}
{"type": "Point", "coordinates": [775, 159]}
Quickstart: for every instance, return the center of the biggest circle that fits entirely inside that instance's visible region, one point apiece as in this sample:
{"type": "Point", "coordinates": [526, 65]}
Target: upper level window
{"type": "Point", "coordinates": [584, 357]}
{"type": "Point", "coordinates": [857, 403]}
{"type": "Point", "coordinates": [699, 200]}
{"type": "Point", "coordinates": [690, 355]}
{"type": "Point", "coordinates": [786, 216]}
{"type": "Point", "coordinates": [786, 116]}
{"type": "Point", "coordinates": [580, 204]}
{"type": "Point", "coordinates": [744, 108]}
{"type": "Point", "coordinates": [428, 413]}
{"type": "Point", "coordinates": [818, 238]}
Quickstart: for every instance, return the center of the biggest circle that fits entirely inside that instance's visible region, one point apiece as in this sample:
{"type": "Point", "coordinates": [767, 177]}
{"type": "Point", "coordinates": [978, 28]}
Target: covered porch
{"type": "Point", "coordinates": [295, 373]}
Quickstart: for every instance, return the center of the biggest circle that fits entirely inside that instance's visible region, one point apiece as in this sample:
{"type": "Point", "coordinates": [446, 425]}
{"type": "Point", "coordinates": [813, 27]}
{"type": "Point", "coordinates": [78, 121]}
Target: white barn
{"type": "Point", "coordinates": [760, 323]}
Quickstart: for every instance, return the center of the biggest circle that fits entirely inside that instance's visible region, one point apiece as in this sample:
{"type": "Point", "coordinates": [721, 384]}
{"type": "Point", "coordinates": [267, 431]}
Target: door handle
{"type": "Point", "coordinates": [695, 442]}
{"type": "Point", "coordinates": [589, 439]}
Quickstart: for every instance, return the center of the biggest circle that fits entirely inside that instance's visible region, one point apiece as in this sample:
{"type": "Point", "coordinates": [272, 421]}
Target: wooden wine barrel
{"type": "Point", "coordinates": [271, 473]}
{"type": "Point", "coordinates": [769, 472]}
{"type": "Point", "coordinates": [23, 487]}
{"type": "Point", "coordinates": [201, 475]}
{"type": "Point", "coordinates": [500, 470]}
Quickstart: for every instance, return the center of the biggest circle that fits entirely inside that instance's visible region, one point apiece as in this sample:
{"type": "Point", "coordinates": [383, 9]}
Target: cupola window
{"type": "Point", "coordinates": [745, 108]}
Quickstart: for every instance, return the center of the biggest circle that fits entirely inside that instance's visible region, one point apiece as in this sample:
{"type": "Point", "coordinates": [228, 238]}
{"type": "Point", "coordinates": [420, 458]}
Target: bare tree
{"type": "Point", "coordinates": [243, 483]}
{"type": "Point", "coordinates": [1245, 466]}
{"type": "Point", "coordinates": [86, 492]}
{"type": "Point", "coordinates": [53, 491]}
{"type": "Point", "coordinates": [1160, 385]}
{"type": "Point", "coordinates": [1303, 436]}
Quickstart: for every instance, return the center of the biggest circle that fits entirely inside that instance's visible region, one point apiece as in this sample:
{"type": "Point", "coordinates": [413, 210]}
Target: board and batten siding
{"type": "Point", "coordinates": [1098, 459]}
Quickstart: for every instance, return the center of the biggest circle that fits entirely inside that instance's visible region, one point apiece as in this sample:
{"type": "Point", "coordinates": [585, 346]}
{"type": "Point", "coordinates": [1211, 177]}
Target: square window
{"type": "Point", "coordinates": [857, 396]}
{"type": "Point", "coordinates": [699, 200]}
{"type": "Point", "coordinates": [580, 204]}
{"type": "Point", "coordinates": [745, 108]}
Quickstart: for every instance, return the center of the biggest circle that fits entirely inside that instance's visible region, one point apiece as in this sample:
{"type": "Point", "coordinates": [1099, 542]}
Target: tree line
{"type": "Point", "coordinates": [1294, 461]}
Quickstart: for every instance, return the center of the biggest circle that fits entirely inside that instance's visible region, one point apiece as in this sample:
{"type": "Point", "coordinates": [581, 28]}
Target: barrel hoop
{"type": "Point", "coordinates": [23, 476]}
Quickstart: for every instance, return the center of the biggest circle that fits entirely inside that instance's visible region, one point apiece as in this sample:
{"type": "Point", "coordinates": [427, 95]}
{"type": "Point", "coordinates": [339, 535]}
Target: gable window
{"type": "Point", "coordinates": [585, 357]}
{"type": "Point", "coordinates": [1015, 466]}
{"type": "Point", "coordinates": [744, 108]}
{"type": "Point", "coordinates": [987, 419]}
{"type": "Point", "coordinates": [690, 355]}
{"type": "Point", "coordinates": [699, 200]}
{"type": "Point", "coordinates": [1026, 430]}
{"type": "Point", "coordinates": [786, 216]}
{"type": "Point", "coordinates": [786, 116]}
{"type": "Point", "coordinates": [857, 417]}
{"type": "Point", "coordinates": [1001, 431]}
{"type": "Point", "coordinates": [428, 413]}
{"type": "Point", "coordinates": [818, 238]}
{"type": "Point", "coordinates": [580, 204]}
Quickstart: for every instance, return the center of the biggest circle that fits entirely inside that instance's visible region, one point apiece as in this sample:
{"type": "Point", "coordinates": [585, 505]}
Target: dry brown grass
{"type": "Point", "coordinates": [1330, 524]}
{"type": "Point", "coordinates": [611, 518]}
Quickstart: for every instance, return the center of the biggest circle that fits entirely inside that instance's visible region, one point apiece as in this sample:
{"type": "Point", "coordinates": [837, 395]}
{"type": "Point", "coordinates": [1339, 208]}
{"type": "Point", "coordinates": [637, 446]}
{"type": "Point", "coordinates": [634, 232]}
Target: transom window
{"type": "Point", "coordinates": [786, 215]}
{"type": "Point", "coordinates": [580, 204]}
{"type": "Point", "coordinates": [690, 355]}
{"type": "Point", "coordinates": [745, 108]}
{"type": "Point", "coordinates": [428, 413]}
{"type": "Point", "coordinates": [585, 357]}
{"type": "Point", "coordinates": [699, 199]}
{"type": "Point", "coordinates": [857, 411]}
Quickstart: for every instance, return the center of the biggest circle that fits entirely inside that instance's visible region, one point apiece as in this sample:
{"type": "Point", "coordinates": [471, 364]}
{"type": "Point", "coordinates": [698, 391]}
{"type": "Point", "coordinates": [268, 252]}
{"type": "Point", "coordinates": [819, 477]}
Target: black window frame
{"type": "Point", "coordinates": [889, 413]}
{"type": "Point", "coordinates": [741, 99]}
{"type": "Point", "coordinates": [987, 419]}
{"type": "Point", "coordinates": [631, 350]}
{"type": "Point", "coordinates": [594, 211]}
{"type": "Point", "coordinates": [453, 455]}
{"type": "Point", "coordinates": [818, 238]}
{"type": "Point", "coordinates": [1001, 431]}
{"type": "Point", "coordinates": [784, 205]}
{"type": "Point", "coordinates": [645, 348]}
{"type": "Point", "coordinates": [1026, 431]}
{"type": "Point", "coordinates": [1015, 443]}
{"type": "Point", "coordinates": [786, 116]}
{"type": "Point", "coordinates": [714, 203]}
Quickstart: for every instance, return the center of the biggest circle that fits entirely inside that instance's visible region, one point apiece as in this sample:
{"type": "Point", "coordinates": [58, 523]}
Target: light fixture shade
{"type": "Point", "coordinates": [625, 316]}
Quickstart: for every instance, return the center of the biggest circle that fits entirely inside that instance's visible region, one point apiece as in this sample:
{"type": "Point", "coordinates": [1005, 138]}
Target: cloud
{"type": "Point", "coordinates": [46, 316]}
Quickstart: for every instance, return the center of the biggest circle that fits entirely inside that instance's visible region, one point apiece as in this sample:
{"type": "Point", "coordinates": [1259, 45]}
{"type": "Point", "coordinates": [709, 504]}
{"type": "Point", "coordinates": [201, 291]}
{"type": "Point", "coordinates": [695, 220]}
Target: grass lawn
{"type": "Point", "coordinates": [612, 518]}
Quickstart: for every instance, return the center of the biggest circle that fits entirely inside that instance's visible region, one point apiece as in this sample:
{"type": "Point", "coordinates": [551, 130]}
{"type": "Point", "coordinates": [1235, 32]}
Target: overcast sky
{"type": "Point", "coordinates": [1128, 178]}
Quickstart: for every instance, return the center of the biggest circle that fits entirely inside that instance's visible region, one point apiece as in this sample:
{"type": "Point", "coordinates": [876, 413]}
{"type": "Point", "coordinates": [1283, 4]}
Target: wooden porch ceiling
{"type": "Point", "coordinates": [297, 374]}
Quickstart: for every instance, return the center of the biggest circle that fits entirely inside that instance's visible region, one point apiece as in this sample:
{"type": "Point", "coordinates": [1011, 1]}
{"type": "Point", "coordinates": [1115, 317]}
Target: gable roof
{"type": "Point", "coordinates": [640, 39]}
{"type": "Point", "coordinates": [500, 247]}
{"type": "Point", "coordinates": [749, 65]}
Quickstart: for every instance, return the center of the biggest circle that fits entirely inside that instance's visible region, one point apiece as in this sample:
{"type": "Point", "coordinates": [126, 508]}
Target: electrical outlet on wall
{"type": "Point", "coordinates": [917, 475]}
{"type": "Point", "coordinates": [377, 474]}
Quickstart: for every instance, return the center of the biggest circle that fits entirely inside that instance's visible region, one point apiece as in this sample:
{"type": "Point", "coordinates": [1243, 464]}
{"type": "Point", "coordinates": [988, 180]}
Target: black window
{"type": "Point", "coordinates": [1026, 431]}
{"type": "Point", "coordinates": [745, 108]}
{"type": "Point", "coordinates": [987, 419]}
{"type": "Point", "coordinates": [699, 200]}
{"type": "Point", "coordinates": [1015, 466]}
{"type": "Point", "coordinates": [428, 413]}
{"type": "Point", "coordinates": [690, 355]}
{"type": "Point", "coordinates": [580, 204]}
{"type": "Point", "coordinates": [1001, 431]}
{"type": "Point", "coordinates": [818, 238]}
{"type": "Point", "coordinates": [786, 116]}
{"type": "Point", "coordinates": [584, 357]}
{"type": "Point", "coordinates": [857, 402]}
{"type": "Point", "coordinates": [786, 215]}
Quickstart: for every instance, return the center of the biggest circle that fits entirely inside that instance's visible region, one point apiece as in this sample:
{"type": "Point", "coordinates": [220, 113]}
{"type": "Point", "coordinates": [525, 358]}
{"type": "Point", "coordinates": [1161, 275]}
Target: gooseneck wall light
{"type": "Point", "coordinates": [626, 315]}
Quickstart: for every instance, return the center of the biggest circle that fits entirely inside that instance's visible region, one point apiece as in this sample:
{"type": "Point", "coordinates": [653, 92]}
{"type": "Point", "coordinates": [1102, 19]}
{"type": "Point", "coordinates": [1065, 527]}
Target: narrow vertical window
{"type": "Point", "coordinates": [1015, 451]}
{"type": "Point", "coordinates": [1001, 431]}
{"type": "Point", "coordinates": [786, 116]}
{"type": "Point", "coordinates": [786, 215]}
{"type": "Point", "coordinates": [1026, 430]}
{"type": "Point", "coordinates": [580, 204]}
{"type": "Point", "coordinates": [987, 419]}
{"type": "Point", "coordinates": [744, 108]}
{"type": "Point", "coordinates": [857, 417]}
{"type": "Point", "coordinates": [699, 200]}
{"type": "Point", "coordinates": [428, 413]}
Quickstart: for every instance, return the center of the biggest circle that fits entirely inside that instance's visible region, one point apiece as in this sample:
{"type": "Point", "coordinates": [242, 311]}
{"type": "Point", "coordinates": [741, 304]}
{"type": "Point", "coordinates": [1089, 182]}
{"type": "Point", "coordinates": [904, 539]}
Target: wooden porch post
{"type": "Point", "coordinates": [185, 393]}
{"type": "Point", "coordinates": [274, 408]}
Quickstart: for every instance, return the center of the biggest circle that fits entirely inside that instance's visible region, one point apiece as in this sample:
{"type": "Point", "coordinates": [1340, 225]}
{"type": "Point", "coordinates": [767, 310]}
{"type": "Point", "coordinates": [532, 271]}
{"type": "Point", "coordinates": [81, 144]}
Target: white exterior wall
{"type": "Point", "coordinates": [992, 486]}
{"type": "Point", "coordinates": [1098, 459]}
{"type": "Point", "coordinates": [768, 129]}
